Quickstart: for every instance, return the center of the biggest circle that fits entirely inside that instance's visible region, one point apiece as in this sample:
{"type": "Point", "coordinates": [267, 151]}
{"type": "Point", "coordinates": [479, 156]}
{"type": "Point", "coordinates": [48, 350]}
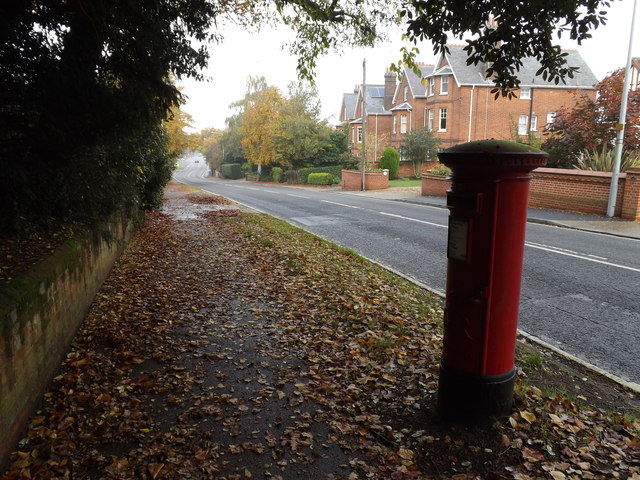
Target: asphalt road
{"type": "Point", "coordinates": [580, 290]}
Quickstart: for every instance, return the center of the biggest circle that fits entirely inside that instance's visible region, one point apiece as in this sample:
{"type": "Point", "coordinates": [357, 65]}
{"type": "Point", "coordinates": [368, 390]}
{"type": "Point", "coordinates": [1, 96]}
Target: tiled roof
{"type": "Point", "coordinates": [474, 74]}
{"type": "Point", "coordinates": [415, 82]}
{"type": "Point", "coordinates": [375, 99]}
{"type": "Point", "coordinates": [349, 101]}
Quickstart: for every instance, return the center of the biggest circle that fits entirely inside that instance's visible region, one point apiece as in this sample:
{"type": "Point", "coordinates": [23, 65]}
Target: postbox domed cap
{"type": "Point", "coordinates": [493, 153]}
{"type": "Point", "coordinates": [501, 147]}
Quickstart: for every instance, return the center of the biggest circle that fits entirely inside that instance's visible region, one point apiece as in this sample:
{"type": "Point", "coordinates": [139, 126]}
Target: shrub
{"type": "Point", "coordinates": [441, 170]}
{"type": "Point", "coordinates": [231, 170]}
{"type": "Point", "coordinates": [320, 179]}
{"type": "Point", "coordinates": [277, 174]}
{"type": "Point", "coordinates": [391, 161]}
{"type": "Point", "coordinates": [335, 170]}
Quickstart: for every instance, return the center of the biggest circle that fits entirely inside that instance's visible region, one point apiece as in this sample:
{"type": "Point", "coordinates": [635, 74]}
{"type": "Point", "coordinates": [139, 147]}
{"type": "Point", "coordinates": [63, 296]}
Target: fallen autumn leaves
{"type": "Point", "coordinates": [231, 345]}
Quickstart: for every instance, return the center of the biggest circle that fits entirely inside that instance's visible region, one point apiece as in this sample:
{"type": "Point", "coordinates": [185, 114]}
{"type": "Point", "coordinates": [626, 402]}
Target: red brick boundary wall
{"type": "Point", "coordinates": [572, 190]}
{"type": "Point", "coordinates": [631, 196]}
{"type": "Point", "coordinates": [40, 312]}
{"type": "Point", "coordinates": [352, 180]}
{"type": "Point", "coordinates": [435, 185]}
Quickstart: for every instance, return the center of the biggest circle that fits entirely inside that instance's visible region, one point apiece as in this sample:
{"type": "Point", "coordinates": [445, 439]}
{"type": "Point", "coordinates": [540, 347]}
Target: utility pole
{"type": "Point", "coordinates": [615, 171]}
{"type": "Point", "coordinates": [364, 121]}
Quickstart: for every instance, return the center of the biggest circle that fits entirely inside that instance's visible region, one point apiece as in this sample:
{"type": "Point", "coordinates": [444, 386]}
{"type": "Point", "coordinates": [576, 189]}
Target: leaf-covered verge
{"type": "Point", "coordinates": [232, 345]}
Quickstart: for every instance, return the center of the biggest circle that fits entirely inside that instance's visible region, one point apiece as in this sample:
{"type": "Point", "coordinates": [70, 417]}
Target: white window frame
{"type": "Point", "coordinates": [359, 134]}
{"type": "Point", "coordinates": [406, 93]}
{"type": "Point", "coordinates": [403, 123]}
{"type": "Point", "coordinates": [444, 85]}
{"type": "Point", "coordinates": [430, 119]}
{"type": "Point", "coordinates": [432, 86]}
{"type": "Point", "coordinates": [395, 124]}
{"type": "Point", "coordinates": [353, 135]}
{"type": "Point", "coordinates": [551, 117]}
{"type": "Point", "coordinates": [533, 126]}
{"type": "Point", "coordinates": [525, 94]}
{"type": "Point", "coordinates": [442, 120]}
{"type": "Point", "coordinates": [523, 121]}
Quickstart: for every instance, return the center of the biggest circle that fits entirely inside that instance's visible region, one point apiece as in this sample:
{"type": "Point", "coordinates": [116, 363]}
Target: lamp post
{"type": "Point", "coordinates": [364, 121]}
{"type": "Point", "coordinates": [615, 171]}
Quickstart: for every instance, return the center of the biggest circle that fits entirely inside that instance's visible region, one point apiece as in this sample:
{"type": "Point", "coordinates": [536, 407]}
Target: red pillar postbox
{"type": "Point", "coordinates": [488, 211]}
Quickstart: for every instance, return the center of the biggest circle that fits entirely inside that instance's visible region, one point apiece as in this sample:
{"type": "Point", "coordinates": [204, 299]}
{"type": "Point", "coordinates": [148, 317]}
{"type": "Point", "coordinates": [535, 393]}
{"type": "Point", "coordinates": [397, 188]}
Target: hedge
{"type": "Point", "coordinates": [320, 179]}
{"type": "Point", "coordinates": [334, 170]}
{"type": "Point", "coordinates": [231, 170]}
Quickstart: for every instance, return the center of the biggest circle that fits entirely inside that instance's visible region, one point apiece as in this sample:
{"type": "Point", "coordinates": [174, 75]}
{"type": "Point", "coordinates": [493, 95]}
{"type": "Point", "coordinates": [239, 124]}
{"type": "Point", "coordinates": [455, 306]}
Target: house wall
{"type": "Point", "coordinates": [39, 314]}
{"type": "Point", "coordinates": [496, 118]}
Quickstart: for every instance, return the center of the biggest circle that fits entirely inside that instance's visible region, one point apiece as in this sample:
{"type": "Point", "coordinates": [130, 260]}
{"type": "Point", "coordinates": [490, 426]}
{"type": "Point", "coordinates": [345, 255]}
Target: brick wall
{"type": "Point", "coordinates": [352, 180]}
{"type": "Point", "coordinates": [435, 185]}
{"type": "Point", "coordinates": [631, 196]}
{"type": "Point", "coordinates": [39, 314]}
{"type": "Point", "coordinates": [573, 190]}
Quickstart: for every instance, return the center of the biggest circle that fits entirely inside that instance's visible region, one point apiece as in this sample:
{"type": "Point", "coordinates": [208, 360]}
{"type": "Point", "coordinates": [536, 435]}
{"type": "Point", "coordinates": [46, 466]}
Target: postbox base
{"type": "Point", "coordinates": [472, 398]}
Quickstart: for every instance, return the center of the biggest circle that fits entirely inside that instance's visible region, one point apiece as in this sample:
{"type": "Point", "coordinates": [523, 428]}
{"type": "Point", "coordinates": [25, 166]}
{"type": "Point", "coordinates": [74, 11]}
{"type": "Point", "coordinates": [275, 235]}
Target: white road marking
{"type": "Point", "coordinates": [341, 204]}
{"type": "Point", "coordinates": [412, 219]}
{"type": "Point", "coordinates": [299, 196]}
{"type": "Point", "coordinates": [583, 257]}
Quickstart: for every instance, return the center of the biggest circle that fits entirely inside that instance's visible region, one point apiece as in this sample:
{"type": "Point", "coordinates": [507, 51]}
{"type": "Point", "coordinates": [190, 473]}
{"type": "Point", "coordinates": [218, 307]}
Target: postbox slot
{"type": "Point", "coordinates": [468, 202]}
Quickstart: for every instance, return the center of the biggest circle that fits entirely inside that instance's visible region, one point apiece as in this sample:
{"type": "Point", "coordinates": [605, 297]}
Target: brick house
{"type": "Point", "coordinates": [378, 118]}
{"type": "Point", "coordinates": [454, 100]}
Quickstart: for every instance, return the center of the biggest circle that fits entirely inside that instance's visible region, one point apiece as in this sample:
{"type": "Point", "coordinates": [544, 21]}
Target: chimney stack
{"type": "Point", "coordinates": [389, 89]}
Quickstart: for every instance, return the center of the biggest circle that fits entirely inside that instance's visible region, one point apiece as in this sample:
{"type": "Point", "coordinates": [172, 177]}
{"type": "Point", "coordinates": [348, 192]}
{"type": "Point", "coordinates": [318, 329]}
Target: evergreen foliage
{"type": "Point", "coordinates": [390, 160]}
{"type": "Point", "coordinates": [320, 179]}
{"type": "Point", "coordinates": [231, 170]}
{"type": "Point", "coordinates": [335, 171]}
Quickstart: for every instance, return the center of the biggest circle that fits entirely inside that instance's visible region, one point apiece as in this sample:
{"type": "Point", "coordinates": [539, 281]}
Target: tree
{"type": "Point", "coordinates": [79, 80]}
{"type": "Point", "coordinates": [179, 140]}
{"type": "Point", "coordinates": [420, 146]}
{"type": "Point", "coordinates": [520, 29]}
{"type": "Point", "coordinates": [591, 124]}
{"type": "Point", "coordinates": [260, 126]}
{"type": "Point", "coordinates": [337, 146]}
{"type": "Point", "coordinates": [300, 141]}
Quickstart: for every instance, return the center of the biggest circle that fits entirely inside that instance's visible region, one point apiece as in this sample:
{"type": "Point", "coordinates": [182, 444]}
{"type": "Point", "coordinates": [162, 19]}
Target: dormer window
{"type": "Point", "coordinates": [406, 93]}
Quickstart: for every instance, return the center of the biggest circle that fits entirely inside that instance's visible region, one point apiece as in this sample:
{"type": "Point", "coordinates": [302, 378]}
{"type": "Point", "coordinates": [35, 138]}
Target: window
{"type": "Point", "coordinates": [406, 93]}
{"type": "Point", "coordinates": [403, 123]}
{"type": "Point", "coordinates": [430, 120]}
{"type": "Point", "coordinates": [353, 135]}
{"type": "Point", "coordinates": [395, 122]}
{"type": "Point", "coordinates": [522, 124]}
{"type": "Point", "coordinates": [444, 85]}
{"type": "Point", "coordinates": [551, 117]}
{"type": "Point", "coordinates": [432, 86]}
{"type": "Point", "coordinates": [443, 120]}
{"type": "Point", "coordinates": [525, 94]}
{"type": "Point", "coordinates": [359, 134]}
{"type": "Point", "coordinates": [534, 123]}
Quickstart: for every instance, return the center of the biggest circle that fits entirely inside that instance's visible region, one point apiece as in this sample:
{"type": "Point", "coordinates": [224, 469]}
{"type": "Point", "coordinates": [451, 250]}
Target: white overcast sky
{"type": "Point", "coordinates": [243, 54]}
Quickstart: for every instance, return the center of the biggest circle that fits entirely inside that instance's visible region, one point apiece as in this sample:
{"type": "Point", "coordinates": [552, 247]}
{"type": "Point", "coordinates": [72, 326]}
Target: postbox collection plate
{"type": "Point", "coordinates": [458, 239]}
